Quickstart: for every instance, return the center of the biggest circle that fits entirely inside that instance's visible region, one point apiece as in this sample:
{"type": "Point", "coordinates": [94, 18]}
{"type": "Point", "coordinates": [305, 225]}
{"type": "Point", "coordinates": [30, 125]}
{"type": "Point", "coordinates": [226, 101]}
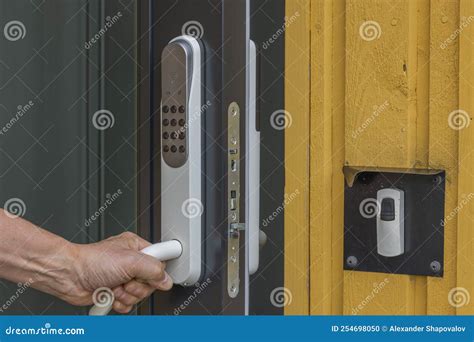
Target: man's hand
{"type": "Point", "coordinates": [117, 263]}
{"type": "Point", "coordinates": [73, 272]}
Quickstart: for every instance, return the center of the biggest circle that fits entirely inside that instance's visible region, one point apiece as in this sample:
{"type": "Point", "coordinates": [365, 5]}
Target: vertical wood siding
{"type": "Point", "coordinates": [378, 97]}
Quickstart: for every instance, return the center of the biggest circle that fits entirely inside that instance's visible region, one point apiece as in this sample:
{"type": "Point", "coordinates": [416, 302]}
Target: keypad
{"type": "Point", "coordinates": [174, 105]}
{"type": "Point", "coordinates": [173, 128]}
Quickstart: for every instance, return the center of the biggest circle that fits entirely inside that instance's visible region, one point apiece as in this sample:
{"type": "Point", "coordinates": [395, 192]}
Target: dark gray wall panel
{"type": "Point", "coordinates": [52, 157]}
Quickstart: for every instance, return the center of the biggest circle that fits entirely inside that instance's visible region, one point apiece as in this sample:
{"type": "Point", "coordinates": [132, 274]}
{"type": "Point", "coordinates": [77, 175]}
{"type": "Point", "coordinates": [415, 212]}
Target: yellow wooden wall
{"type": "Point", "coordinates": [419, 68]}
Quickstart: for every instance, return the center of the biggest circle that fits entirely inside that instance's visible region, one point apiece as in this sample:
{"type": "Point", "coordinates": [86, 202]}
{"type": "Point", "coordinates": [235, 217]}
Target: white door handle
{"type": "Point", "coordinates": [161, 251]}
{"type": "Point", "coordinates": [253, 161]}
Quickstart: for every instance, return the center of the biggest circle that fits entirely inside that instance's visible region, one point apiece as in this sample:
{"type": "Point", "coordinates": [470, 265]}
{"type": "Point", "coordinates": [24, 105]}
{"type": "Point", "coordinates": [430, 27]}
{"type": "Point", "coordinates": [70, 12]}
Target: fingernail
{"type": "Point", "coordinates": [166, 281]}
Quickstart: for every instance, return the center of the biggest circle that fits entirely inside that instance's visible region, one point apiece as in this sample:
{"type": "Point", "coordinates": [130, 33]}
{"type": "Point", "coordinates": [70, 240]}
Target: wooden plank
{"type": "Point", "coordinates": [338, 153]}
{"type": "Point", "coordinates": [443, 140]}
{"type": "Point", "coordinates": [465, 238]}
{"type": "Point", "coordinates": [297, 88]}
{"type": "Point", "coordinates": [327, 155]}
{"type": "Point", "coordinates": [380, 125]}
{"type": "Point", "coordinates": [419, 107]}
{"type": "Point", "coordinates": [321, 163]}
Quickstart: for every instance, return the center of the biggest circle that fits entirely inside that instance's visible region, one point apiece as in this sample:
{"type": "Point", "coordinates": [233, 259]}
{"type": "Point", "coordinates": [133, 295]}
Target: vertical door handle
{"type": "Point", "coordinates": [253, 166]}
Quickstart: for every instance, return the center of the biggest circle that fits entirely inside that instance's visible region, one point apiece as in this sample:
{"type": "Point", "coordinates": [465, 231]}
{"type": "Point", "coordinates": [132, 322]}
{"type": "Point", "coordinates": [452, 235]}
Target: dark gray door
{"type": "Point", "coordinates": [58, 67]}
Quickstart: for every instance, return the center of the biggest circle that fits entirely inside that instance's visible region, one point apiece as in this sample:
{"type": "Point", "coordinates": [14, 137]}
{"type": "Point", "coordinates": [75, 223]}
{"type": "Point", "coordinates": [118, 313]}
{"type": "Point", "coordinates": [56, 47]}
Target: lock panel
{"type": "Point", "coordinates": [182, 206]}
{"type": "Point", "coordinates": [394, 221]}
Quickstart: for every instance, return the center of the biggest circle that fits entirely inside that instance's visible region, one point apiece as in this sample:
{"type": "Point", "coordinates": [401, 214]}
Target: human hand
{"type": "Point", "coordinates": [118, 264]}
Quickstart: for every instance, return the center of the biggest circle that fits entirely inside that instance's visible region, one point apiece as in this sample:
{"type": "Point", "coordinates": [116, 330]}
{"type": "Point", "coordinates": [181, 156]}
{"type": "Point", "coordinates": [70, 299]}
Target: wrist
{"type": "Point", "coordinates": [59, 272]}
{"type": "Point", "coordinates": [79, 292]}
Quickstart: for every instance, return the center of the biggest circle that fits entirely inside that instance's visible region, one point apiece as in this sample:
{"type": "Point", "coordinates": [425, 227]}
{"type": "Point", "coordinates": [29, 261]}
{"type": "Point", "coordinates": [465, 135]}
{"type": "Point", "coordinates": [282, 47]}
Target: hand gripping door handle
{"type": "Point", "coordinates": [162, 251]}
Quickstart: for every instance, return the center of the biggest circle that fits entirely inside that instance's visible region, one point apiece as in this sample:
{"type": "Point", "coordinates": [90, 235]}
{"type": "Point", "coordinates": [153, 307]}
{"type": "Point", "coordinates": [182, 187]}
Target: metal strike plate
{"type": "Point", "coordinates": [233, 199]}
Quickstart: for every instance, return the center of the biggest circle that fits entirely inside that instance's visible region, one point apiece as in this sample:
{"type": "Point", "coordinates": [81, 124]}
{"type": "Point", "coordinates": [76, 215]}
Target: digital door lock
{"type": "Point", "coordinates": [182, 209]}
{"type": "Point", "coordinates": [181, 158]}
{"type": "Point", "coordinates": [182, 204]}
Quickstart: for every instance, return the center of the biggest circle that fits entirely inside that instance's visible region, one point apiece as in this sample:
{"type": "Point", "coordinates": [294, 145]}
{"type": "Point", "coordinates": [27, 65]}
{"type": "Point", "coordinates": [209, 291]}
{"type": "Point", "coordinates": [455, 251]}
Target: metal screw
{"type": "Point", "coordinates": [437, 180]}
{"type": "Point", "coordinates": [435, 266]}
{"type": "Point", "coordinates": [352, 261]}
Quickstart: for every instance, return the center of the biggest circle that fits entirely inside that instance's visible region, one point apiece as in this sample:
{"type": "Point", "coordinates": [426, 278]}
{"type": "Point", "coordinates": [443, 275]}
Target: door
{"type": "Point", "coordinates": [225, 30]}
{"type": "Point", "coordinates": [68, 108]}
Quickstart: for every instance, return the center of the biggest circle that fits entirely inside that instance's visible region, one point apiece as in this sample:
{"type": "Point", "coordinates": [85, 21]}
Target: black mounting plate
{"type": "Point", "coordinates": [424, 221]}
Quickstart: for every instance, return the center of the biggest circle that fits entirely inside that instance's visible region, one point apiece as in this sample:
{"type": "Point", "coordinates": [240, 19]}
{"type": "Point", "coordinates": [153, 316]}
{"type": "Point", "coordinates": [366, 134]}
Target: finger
{"type": "Point", "coordinates": [122, 308]}
{"type": "Point", "coordinates": [124, 297]}
{"type": "Point", "coordinates": [146, 268]}
{"type": "Point", "coordinates": [138, 289]}
{"type": "Point", "coordinates": [164, 285]}
{"type": "Point", "coordinates": [130, 240]}
{"type": "Point", "coordinates": [138, 243]}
